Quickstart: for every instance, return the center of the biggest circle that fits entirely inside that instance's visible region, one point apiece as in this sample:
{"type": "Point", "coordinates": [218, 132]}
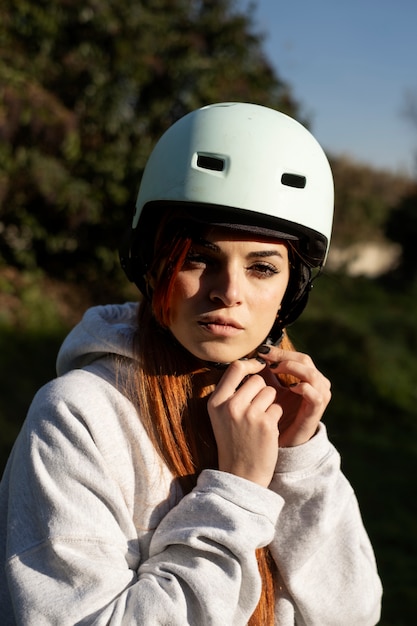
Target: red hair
{"type": "Point", "coordinates": [167, 270]}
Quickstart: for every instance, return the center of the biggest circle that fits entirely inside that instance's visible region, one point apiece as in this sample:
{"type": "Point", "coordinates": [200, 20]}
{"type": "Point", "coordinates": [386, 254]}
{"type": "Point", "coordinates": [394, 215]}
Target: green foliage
{"type": "Point", "coordinates": [86, 88]}
{"type": "Point", "coordinates": [364, 198]}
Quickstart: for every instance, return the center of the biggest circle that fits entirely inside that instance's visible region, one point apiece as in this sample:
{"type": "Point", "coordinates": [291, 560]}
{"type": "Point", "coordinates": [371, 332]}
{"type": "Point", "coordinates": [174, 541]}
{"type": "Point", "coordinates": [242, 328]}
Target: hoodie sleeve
{"type": "Point", "coordinates": [327, 568]}
{"type": "Point", "coordinates": [73, 555]}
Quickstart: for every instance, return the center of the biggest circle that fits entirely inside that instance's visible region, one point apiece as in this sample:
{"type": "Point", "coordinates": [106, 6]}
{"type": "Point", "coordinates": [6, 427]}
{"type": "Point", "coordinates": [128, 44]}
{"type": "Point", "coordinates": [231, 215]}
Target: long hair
{"type": "Point", "coordinates": [171, 389]}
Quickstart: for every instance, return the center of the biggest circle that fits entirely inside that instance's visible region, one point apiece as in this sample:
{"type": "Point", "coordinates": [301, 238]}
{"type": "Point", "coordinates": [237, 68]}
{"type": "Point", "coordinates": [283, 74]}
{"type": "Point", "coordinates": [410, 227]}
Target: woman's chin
{"type": "Point", "coordinates": [223, 351]}
{"type": "Point", "coordinates": [223, 357]}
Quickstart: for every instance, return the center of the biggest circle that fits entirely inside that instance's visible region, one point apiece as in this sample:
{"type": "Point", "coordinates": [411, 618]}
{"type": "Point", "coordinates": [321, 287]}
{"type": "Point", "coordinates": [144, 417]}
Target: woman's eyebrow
{"type": "Point", "coordinates": [265, 253]}
{"type": "Point", "coordinates": [254, 254]}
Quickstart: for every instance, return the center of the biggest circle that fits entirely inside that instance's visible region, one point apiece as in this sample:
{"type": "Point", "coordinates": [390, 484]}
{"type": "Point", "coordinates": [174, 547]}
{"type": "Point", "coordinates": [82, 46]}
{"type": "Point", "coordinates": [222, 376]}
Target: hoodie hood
{"type": "Point", "coordinates": [103, 331]}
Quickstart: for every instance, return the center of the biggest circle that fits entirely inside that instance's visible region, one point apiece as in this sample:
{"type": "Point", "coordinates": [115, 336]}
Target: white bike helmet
{"type": "Point", "coordinates": [242, 166]}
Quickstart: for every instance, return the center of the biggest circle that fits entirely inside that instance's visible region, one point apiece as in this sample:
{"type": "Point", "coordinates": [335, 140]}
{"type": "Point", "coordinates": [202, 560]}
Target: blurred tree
{"type": "Point", "coordinates": [410, 114]}
{"type": "Point", "coordinates": [364, 197]}
{"type": "Point", "coordinates": [86, 87]}
{"type": "Point", "coordinates": [401, 227]}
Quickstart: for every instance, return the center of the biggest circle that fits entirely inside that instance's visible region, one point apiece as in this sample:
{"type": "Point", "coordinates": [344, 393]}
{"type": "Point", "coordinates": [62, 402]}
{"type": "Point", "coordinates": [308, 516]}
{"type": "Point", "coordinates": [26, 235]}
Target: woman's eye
{"type": "Point", "coordinates": [263, 270]}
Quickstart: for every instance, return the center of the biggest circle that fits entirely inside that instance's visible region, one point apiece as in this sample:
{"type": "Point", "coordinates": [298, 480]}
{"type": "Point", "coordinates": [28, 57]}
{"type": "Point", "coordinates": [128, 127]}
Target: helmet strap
{"type": "Point", "coordinates": [289, 313]}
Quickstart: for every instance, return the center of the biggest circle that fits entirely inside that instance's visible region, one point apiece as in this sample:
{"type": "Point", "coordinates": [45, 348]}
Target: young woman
{"type": "Point", "coordinates": [177, 471]}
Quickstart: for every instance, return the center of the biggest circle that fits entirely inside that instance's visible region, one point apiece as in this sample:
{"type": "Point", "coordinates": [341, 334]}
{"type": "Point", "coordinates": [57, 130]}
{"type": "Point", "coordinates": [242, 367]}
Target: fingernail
{"type": "Point", "coordinates": [264, 349]}
{"type": "Point", "coordinates": [273, 365]}
{"type": "Point", "coordinates": [260, 360]}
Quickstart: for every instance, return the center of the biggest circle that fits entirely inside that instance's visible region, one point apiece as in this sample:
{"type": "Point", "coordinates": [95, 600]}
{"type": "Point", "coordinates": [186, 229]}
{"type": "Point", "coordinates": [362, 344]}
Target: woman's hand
{"type": "Point", "coordinates": [303, 403]}
{"type": "Point", "coordinates": [244, 413]}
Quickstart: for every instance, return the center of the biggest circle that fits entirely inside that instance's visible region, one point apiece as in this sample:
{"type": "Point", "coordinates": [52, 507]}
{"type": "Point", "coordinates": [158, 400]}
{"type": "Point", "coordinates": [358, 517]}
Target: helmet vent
{"type": "Point", "coordinates": [215, 164]}
{"type": "Point", "coordinates": [294, 180]}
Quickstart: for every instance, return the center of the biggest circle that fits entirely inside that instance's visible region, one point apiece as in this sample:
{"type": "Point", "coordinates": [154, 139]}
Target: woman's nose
{"type": "Point", "coordinates": [227, 287]}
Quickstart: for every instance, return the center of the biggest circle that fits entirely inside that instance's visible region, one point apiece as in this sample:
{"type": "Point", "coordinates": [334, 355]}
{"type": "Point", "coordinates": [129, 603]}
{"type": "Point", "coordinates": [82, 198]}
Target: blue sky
{"type": "Point", "coordinates": [349, 63]}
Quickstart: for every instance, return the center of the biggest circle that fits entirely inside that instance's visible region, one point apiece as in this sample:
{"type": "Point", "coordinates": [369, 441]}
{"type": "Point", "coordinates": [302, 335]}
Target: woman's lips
{"type": "Point", "coordinates": [220, 326]}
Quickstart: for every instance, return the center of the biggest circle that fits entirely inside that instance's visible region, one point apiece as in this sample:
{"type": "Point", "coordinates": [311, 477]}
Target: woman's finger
{"type": "Point", "coordinates": [235, 375]}
{"type": "Point", "coordinates": [298, 365]}
{"type": "Point", "coordinates": [274, 356]}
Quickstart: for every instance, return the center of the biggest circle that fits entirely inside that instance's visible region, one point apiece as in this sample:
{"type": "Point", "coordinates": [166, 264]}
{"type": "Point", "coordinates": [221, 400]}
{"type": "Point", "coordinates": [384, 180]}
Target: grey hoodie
{"type": "Point", "coordinates": [93, 529]}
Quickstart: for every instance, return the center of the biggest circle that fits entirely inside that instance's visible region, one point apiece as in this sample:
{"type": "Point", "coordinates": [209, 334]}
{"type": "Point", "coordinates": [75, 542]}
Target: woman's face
{"type": "Point", "coordinates": [227, 295]}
